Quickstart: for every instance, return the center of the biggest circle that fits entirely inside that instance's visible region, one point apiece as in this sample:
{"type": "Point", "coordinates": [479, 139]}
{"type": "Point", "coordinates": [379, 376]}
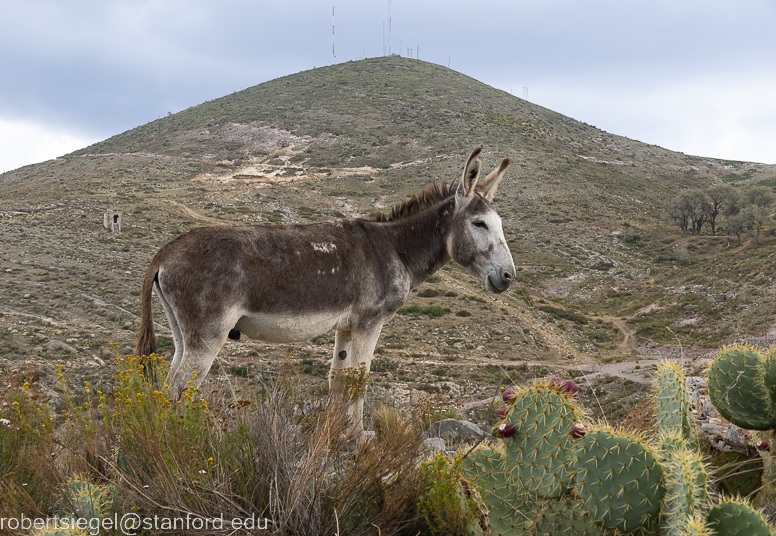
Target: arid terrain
{"type": "Point", "coordinates": [604, 278]}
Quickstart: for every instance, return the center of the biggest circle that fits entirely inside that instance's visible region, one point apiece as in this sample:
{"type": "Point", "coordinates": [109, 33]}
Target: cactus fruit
{"type": "Point", "coordinates": [578, 431]}
{"type": "Point", "coordinates": [672, 400]}
{"type": "Point", "coordinates": [543, 416]}
{"type": "Point", "coordinates": [737, 388]}
{"type": "Point", "coordinates": [763, 445]}
{"type": "Point", "coordinates": [508, 507]}
{"type": "Point", "coordinates": [619, 478]}
{"type": "Point", "coordinates": [570, 386]}
{"type": "Point", "coordinates": [734, 517]}
{"type": "Point", "coordinates": [501, 412]}
{"type": "Point", "coordinates": [685, 481]}
{"type": "Point", "coordinates": [505, 430]}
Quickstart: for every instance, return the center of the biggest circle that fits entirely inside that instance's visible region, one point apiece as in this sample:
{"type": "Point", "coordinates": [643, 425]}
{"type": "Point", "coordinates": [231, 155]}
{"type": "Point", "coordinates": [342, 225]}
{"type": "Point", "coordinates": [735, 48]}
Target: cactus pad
{"type": "Point", "coordinates": [685, 481]}
{"type": "Point", "coordinates": [738, 474]}
{"type": "Point", "coordinates": [540, 450]}
{"type": "Point", "coordinates": [508, 505]}
{"type": "Point", "coordinates": [619, 479]}
{"type": "Point", "coordinates": [567, 516]}
{"type": "Point", "coordinates": [737, 388]}
{"type": "Point", "coordinates": [737, 518]}
{"type": "Point", "coordinates": [671, 400]}
{"type": "Point", "coordinates": [83, 500]}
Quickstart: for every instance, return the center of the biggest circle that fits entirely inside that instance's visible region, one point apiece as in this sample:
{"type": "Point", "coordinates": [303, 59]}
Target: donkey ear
{"type": "Point", "coordinates": [471, 173]}
{"type": "Point", "coordinates": [487, 187]}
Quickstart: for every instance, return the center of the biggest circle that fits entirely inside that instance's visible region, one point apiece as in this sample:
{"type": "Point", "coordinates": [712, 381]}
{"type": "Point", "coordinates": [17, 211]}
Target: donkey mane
{"type": "Point", "coordinates": [419, 202]}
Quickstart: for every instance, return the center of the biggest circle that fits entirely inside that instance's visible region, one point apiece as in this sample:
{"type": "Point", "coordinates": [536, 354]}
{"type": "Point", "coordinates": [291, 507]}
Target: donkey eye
{"type": "Point", "coordinates": [481, 224]}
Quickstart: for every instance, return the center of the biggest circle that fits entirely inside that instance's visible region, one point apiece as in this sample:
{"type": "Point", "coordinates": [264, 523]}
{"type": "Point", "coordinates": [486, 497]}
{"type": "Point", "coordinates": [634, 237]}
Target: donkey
{"type": "Point", "coordinates": [287, 283]}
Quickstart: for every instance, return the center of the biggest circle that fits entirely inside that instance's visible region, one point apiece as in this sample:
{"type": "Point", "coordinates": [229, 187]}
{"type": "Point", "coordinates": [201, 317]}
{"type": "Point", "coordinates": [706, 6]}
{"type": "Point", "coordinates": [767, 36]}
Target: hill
{"type": "Point", "coordinates": [602, 275]}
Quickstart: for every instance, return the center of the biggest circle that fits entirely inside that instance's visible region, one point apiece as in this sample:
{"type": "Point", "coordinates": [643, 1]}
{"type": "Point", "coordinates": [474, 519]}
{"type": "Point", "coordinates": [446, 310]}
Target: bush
{"type": "Point", "coordinates": [384, 364]}
{"type": "Point", "coordinates": [563, 314]}
{"type": "Point", "coordinates": [208, 455]}
{"type": "Point", "coordinates": [428, 293]}
{"type": "Point", "coordinates": [447, 505]}
{"type": "Point", "coordinates": [26, 441]}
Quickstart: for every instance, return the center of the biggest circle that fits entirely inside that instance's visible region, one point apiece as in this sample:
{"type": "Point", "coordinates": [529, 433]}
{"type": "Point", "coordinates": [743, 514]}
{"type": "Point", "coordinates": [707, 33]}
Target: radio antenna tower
{"type": "Point", "coordinates": [389, 27]}
{"type": "Point", "coordinates": [332, 34]}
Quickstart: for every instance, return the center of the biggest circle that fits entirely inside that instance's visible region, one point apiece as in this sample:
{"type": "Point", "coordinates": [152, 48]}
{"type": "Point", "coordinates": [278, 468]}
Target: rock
{"type": "Point", "coordinates": [62, 346]}
{"type": "Point", "coordinates": [735, 437]}
{"type": "Point", "coordinates": [434, 444]}
{"type": "Point", "coordinates": [455, 429]}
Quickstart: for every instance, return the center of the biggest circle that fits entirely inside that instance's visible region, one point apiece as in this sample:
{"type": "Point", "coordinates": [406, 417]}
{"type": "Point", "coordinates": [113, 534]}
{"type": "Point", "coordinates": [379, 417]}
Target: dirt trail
{"type": "Point", "coordinates": [194, 214]}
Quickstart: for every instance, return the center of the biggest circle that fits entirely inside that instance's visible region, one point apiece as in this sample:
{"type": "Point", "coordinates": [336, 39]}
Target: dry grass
{"type": "Point", "coordinates": [272, 456]}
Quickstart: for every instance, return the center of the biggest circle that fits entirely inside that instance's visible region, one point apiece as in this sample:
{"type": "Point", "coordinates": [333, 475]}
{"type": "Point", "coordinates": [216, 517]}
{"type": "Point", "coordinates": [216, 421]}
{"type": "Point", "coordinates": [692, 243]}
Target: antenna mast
{"type": "Point", "coordinates": [332, 34]}
{"type": "Point", "coordinates": [389, 27]}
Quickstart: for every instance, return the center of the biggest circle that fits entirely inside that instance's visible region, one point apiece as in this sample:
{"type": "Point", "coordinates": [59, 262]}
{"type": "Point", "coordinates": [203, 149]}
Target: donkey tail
{"type": "Point", "coordinates": [145, 343]}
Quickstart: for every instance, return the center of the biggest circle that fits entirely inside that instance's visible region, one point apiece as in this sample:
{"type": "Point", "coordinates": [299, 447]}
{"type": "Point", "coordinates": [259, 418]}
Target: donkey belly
{"type": "Point", "coordinates": [282, 328]}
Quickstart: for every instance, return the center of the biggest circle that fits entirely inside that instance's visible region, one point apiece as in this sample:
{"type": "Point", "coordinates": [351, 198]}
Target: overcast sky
{"type": "Point", "coordinates": [691, 76]}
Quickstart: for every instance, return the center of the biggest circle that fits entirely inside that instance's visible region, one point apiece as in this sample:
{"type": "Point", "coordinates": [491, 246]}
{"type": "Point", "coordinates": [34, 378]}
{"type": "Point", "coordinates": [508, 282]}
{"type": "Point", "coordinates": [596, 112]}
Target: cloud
{"type": "Point", "coordinates": [642, 70]}
{"type": "Point", "coordinates": [24, 143]}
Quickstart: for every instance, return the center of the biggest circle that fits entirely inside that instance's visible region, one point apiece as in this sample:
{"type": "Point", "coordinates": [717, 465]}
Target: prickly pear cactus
{"type": "Point", "coordinates": [672, 400]}
{"type": "Point", "coordinates": [737, 388]}
{"type": "Point", "coordinates": [738, 474]}
{"type": "Point", "coordinates": [734, 517]}
{"type": "Point", "coordinates": [619, 478]}
{"type": "Point", "coordinates": [769, 375]}
{"type": "Point", "coordinates": [60, 532]}
{"type": "Point", "coordinates": [83, 500]}
{"type": "Point", "coordinates": [697, 526]}
{"type": "Point", "coordinates": [685, 481]}
{"type": "Point", "coordinates": [567, 516]}
{"type": "Point", "coordinates": [539, 450]}
{"type": "Point", "coordinates": [508, 505]}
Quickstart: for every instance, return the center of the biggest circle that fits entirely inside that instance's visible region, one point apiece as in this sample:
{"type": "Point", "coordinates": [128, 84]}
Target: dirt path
{"type": "Point", "coordinates": [194, 214]}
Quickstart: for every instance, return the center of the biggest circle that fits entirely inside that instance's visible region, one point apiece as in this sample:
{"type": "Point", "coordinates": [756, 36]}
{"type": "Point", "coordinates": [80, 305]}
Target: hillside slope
{"type": "Point", "coordinates": [602, 276]}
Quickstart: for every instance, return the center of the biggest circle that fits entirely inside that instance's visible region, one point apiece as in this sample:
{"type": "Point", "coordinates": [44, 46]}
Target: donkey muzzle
{"type": "Point", "coordinates": [499, 281]}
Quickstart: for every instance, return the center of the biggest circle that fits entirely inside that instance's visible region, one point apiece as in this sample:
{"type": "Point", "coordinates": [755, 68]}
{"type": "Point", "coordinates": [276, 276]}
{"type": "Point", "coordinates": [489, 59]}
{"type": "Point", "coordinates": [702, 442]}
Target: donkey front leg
{"type": "Point", "coordinates": [351, 350]}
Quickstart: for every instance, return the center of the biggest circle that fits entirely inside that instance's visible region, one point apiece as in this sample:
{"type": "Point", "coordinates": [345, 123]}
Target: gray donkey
{"type": "Point", "coordinates": [286, 283]}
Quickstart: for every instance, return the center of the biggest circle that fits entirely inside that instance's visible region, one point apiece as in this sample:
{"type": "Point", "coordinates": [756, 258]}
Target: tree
{"type": "Point", "coordinates": [720, 197]}
{"type": "Point", "coordinates": [699, 208]}
{"type": "Point", "coordinates": [679, 211]}
{"type": "Point", "coordinates": [760, 199]}
{"type": "Point", "coordinates": [739, 223]}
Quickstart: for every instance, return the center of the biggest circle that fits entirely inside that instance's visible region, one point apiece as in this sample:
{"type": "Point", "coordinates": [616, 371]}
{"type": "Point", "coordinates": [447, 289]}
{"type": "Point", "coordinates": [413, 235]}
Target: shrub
{"type": "Point", "coordinates": [448, 505]}
{"type": "Point", "coordinates": [26, 441]}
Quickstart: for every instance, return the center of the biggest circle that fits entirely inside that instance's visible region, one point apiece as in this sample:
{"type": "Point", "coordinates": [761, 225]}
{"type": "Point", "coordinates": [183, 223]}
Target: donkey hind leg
{"type": "Point", "coordinates": [200, 349]}
{"type": "Point", "coordinates": [358, 347]}
{"type": "Point", "coordinates": [177, 338]}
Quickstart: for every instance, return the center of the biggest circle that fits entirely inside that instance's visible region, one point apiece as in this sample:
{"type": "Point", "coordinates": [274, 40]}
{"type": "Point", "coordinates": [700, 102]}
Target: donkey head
{"type": "Point", "coordinates": [476, 239]}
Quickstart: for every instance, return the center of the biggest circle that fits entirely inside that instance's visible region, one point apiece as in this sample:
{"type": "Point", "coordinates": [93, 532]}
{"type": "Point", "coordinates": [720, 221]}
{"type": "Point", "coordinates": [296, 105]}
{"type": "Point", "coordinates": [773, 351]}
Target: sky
{"type": "Point", "coordinates": [692, 76]}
